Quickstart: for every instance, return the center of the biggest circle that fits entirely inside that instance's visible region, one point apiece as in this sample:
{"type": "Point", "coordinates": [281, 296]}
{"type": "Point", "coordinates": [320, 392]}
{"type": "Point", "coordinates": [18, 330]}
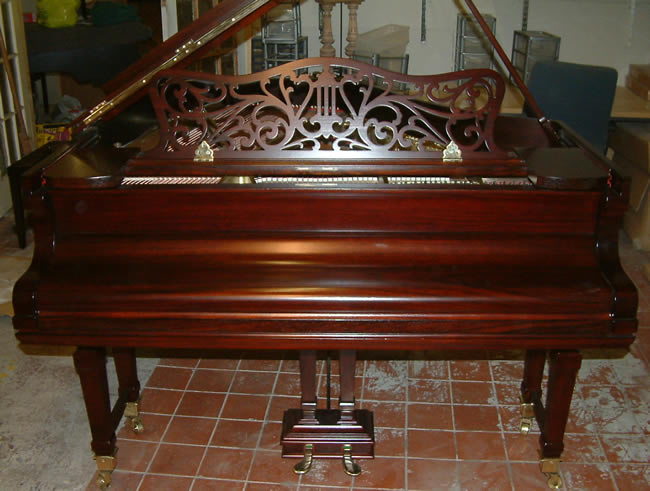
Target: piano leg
{"type": "Point", "coordinates": [91, 367]}
{"type": "Point", "coordinates": [552, 416]}
{"type": "Point", "coordinates": [531, 387]}
{"type": "Point", "coordinates": [129, 385]}
{"type": "Point", "coordinates": [90, 364]}
{"type": "Point", "coordinates": [563, 370]}
{"type": "Point", "coordinates": [343, 433]}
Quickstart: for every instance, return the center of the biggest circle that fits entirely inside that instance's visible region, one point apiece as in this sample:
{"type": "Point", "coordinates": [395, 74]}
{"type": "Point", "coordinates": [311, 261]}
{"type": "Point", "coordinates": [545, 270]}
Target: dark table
{"type": "Point", "coordinates": [90, 54]}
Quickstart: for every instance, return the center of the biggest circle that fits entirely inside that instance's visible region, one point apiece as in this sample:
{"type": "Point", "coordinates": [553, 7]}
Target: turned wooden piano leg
{"type": "Point", "coordinates": [531, 387]}
{"type": "Point", "coordinates": [129, 385]}
{"type": "Point", "coordinates": [90, 364]}
{"type": "Point", "coordinates": [563, 370]}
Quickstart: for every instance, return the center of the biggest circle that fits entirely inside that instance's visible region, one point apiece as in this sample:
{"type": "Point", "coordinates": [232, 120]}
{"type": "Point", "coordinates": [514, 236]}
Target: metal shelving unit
{"type": "Point", "coordinates": [282, 38]}
{"type": "Point", "coordinates": [529, 47]}
{"type": "Point", "coordinates": [473, 49]}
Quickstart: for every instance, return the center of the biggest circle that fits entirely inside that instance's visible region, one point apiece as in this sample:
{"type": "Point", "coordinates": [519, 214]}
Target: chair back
{"type": "Point", "coordinates": [579, 95]}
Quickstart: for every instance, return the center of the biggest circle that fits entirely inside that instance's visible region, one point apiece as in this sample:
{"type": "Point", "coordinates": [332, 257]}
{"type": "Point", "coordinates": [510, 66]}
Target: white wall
{"type": "Point", "coordinates": [612, 33]}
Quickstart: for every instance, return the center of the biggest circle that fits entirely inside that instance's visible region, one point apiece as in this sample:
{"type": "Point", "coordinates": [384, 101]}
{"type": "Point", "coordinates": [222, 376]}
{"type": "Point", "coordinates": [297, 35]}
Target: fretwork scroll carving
{"type": "Point", "coordinates": [330, 105]}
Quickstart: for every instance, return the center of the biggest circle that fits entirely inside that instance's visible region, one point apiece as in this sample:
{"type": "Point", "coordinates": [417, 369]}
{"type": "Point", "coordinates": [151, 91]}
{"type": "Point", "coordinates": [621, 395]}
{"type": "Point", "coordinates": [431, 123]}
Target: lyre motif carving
{"type": "Point", "coordinates": [328, 104]}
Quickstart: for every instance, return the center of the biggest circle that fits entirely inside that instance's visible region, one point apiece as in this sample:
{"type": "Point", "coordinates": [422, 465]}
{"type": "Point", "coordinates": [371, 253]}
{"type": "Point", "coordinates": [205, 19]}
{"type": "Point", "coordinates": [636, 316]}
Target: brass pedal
{"type": "Point", "coordinates": [350, 467]}
{"type": "Point", "coordinates": [304, 465]}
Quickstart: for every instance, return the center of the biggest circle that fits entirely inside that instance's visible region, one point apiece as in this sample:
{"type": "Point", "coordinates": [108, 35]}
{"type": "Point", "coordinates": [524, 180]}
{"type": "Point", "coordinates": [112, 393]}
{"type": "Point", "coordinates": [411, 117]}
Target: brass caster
{"type": "Point", "coordinates": [304, 465]}
{"type": "Point", "coordinates": [105, 466]}
{"type": "Point", "coordinates": [350, 467]}
{"type": "Point", "coordinates": [551, 468]}
{"type": "Point", "coordinates": [136, 425]}
{"type": "Point", "coordinates": [527, 416]}
{"type": "Point", "coordinates": [554, 481]}
{"type": "Point", "coordinates": [103, 480]}
{"type": "Point", "coordinates": [133, 415]}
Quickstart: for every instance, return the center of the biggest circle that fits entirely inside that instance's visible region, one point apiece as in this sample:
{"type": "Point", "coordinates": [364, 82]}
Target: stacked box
{"type": "Point", "coordinates": [631, 145]}
{"type": "Point", "coordinates": [52, 132]}
{"type": "Point", "coordinates": [473, 49]}
{"type": "Point", "coordinates": [638, 80]}
{"type": "Point", "coordinates": [384, 47]}
{"type": "Point", "coordinates": [529, 47]}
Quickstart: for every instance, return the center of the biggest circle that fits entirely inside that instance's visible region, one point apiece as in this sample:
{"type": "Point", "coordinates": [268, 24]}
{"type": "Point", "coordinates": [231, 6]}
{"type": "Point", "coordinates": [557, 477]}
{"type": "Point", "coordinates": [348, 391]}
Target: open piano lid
{"type": "Point", "coordinates": [186, 46]}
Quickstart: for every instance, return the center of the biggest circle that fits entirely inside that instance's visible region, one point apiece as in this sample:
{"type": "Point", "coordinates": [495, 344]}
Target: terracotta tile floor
{"type": "Point", "coordinates": [214, 423]}
{"type": "Point", "coordinates": [441, 421]}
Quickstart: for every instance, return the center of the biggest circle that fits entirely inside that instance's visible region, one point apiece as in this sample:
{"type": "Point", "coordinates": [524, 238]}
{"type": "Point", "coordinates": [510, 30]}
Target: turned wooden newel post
{"type": "Point", "coordinates": [353, 29]}
{"type": "Point", "coordinates": [327, 39]}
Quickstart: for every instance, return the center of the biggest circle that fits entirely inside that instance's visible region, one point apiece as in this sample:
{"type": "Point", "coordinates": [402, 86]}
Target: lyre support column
{"type": "Point", "coordinates": [308, 385]}
{"type": "Point", "coordinates": [90, 364]}
{"type": "Point", "coordinates": [353, 29]}
{"type": "Point", "coordinates": [347, 361]}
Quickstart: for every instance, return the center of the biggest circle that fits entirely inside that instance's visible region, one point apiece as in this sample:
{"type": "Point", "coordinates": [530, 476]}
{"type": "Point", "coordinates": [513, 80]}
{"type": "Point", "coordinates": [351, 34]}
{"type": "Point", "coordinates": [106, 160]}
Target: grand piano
{"type": "Point", "coordinates": [323, 205]}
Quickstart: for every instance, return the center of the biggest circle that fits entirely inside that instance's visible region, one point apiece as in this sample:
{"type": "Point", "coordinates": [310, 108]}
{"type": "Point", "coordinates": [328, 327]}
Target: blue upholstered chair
{"type": "Point", "coordinates": [579, 95]}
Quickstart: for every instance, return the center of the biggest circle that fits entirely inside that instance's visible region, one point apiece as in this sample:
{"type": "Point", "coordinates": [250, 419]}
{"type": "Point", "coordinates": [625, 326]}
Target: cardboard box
{"type": "Point", "coordinates": [389, 40]}
{"type": "Point", "coordinates": [638, 80]}
{"type": "Point", "coordinates": [52, 132]}
{"type": "Point", "coordinates": [637, 217]}
{"type": "Point", "coordinates": [632, 141]}
{"type": "Point", "coordinates": [638, 88]}
{"type": "Point", "coordinates": [641, 73]}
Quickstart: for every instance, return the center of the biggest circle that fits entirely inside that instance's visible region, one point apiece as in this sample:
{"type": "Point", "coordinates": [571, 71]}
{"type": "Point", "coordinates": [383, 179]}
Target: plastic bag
{"type": "Point", "coordinates": [67, 110]}
{"type": "Point", "coordinates": [57, 13]}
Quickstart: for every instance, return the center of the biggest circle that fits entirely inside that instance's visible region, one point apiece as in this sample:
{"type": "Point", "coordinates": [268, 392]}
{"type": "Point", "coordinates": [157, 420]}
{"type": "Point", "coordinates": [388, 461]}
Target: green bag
{"type": "Point", "coordinates": [57, 13]}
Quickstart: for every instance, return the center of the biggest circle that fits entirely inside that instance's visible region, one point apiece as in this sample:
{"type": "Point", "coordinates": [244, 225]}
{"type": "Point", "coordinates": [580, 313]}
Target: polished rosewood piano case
{"type": "Point", "coordinates": [323, 205]}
